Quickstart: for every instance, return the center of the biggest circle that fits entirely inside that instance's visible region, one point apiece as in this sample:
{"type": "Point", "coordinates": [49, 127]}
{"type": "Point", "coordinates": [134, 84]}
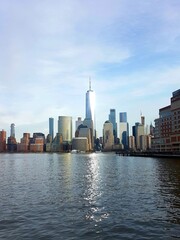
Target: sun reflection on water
{"type": "Point", "coordinates": [93, 194]}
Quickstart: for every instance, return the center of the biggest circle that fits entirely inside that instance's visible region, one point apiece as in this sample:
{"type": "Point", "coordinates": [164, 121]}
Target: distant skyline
{"type": "Point", "coordinates": [49, 49]}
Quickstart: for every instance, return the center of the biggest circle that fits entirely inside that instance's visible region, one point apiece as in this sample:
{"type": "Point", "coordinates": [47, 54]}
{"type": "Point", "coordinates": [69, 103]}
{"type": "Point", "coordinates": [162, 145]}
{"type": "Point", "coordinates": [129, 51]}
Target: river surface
{"type": "Point", "coordinates": [88, 196]}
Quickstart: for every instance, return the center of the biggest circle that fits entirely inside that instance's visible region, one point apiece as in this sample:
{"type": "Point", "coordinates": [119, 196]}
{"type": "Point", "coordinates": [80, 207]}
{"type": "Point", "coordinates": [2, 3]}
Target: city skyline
{"type": "Point", "coordinates": [48, 51]}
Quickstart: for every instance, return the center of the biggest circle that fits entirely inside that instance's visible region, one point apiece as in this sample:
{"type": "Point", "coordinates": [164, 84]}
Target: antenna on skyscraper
{"type": "Point", "coordinates": [90, 83]}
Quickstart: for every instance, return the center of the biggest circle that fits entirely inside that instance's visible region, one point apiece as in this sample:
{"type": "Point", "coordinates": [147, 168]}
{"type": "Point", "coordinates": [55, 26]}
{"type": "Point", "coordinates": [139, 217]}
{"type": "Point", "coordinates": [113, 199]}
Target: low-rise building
{"type": "Point", "coordinates": [80, 144]}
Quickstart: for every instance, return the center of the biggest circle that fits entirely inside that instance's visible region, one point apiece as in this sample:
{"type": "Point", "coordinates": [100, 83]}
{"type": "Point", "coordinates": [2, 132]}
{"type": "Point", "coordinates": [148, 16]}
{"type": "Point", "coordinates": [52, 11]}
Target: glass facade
{"type": "Point", "coordinates": [51, 127]}
{"type": "Point", "coordinates": [90, 104]}
{"type": "Point", "coordinates": [112, 119]}
{"type": "Point", "coordinates": [123, 117]}
{"type": "Point", "coordinates": [123, 130]}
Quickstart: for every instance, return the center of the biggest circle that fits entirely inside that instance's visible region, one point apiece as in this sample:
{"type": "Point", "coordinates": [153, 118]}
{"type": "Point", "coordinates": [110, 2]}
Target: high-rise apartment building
{"type": "Point", "coordinates": [112, 119]}
{"type": "Point", "coordinates": [51, 127]}
{"type": "Point", "coordinates": [123, 130]}
{"type": "Point", "coordinates": [65, 128]}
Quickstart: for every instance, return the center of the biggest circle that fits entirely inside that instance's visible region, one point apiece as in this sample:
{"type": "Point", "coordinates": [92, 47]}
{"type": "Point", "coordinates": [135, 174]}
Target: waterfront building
{"type": "Point", "coordinates": [143, 142]}
{"type": "Point", "coordinates": [37, 145]}
{"type": "Point", "coordinates": [11, 144]}
{"type": "Point", "coordinates": [139, 131]}
{"type": "Point", "coordinates": [80, 144]}
{"type": "Point", "coordinates": [24, 145]}
{"type": "Point", "coordinates": [37, 142]}
{"type": "Point", "coordinates": [132, 143]}
{"type": "Point", "coordinates": [11, 141]}
{"type": "Point", "coordinates": [48, 143]}
{"type": "Point", "coordinates": [123, 130]}
{"type": "Point", "coordinates": [108, 137]}
{"type": "Point", "coordinates": [149, 142]}
{"type": "Point", "coordinates": [85, 131]}
{"type": "Point", "coordinates": [112, 119]}
{"type": "Point", "coordinates": [2, 141]}
{"type": "Point", "coordinates": [65, 128]}
{"type": "Point", "coordinates": [89, 124]}
{"type": "Point", "coordinates": [51, 127]}
{"type": "Point", "coordinates": [57, 143]}
{"type": "Point", "coordinates": [167, 126]}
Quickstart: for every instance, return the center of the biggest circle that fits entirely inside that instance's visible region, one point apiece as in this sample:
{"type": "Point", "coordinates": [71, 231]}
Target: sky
{"type": "Point", "coordinates": [50, 48]}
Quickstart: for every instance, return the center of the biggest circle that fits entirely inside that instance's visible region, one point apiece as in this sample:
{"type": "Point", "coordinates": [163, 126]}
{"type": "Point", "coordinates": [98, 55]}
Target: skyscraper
{"type": "Point", "coordinates": [112, 119]}
{"type": "Point", "coordinates": [65, 128]}
{"type": "Point", "coordinates": [51, 127]}
{"type": "Point", "coordinates": [123, 117]}
{"type": "Point", "coordinates": [139, 132]}
{"type": "Point", "coordinates": [12, 130]}
{"type": "Point", "coordinates": [89, 120]}
{"type": "Point", "coordinates": [108, 137]}
{"type": "Point", "coordinates": [78, 122]}
{"type": "Point", "coordinates": [11, 142]}
{"type": "Point", "coordinates": [90, 104]}
{"type": "Point", "coordinates": [123, 129]}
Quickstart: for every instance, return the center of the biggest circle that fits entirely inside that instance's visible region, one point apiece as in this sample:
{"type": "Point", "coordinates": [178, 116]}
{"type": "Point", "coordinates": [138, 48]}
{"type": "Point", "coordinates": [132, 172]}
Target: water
{"type": "Point", "coordinates": [88, 196]}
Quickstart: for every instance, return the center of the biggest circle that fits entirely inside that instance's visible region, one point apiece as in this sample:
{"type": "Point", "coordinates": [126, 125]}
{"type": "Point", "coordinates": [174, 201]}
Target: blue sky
{"type": "Point", "coordinates": [49, 48]}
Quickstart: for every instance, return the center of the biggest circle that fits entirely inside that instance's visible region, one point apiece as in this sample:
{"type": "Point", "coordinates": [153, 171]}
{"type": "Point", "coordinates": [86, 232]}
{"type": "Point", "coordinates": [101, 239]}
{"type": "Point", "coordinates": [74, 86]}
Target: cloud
{"type": "Point", "coordinates": [50, 48]}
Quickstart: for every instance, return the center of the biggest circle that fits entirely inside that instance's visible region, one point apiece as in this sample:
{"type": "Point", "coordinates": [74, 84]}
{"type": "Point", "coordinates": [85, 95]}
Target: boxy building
{"type": "Point", "coordinates": [167, 127]}
{"type": "Point", "coordinates": [2, 141]}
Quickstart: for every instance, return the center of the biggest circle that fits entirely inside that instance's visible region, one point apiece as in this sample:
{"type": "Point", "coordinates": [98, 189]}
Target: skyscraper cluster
{"type": "Point", "coordinates": [165, 136]}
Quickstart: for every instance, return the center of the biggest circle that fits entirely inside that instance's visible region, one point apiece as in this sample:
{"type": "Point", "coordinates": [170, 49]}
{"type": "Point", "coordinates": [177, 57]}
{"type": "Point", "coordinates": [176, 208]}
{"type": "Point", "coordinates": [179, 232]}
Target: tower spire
{"type": "Point", "coordinates": [90, 83]}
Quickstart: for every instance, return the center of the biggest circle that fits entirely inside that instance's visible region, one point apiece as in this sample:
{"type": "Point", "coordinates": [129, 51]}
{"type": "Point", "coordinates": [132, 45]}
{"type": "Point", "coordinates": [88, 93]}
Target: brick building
{"type": "Point", "coordinates": [167, 127]}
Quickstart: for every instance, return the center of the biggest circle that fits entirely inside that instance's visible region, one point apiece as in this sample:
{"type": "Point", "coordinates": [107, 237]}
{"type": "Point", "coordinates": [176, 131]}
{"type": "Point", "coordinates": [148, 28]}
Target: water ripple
{"type": "Point", "coordinates": [88, 196]}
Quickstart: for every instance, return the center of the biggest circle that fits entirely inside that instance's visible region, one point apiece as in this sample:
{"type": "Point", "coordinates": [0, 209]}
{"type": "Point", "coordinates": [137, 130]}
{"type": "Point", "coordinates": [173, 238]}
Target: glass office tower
{"type": "Point", "coordinates": [51, 127]}
{"type": "Point", "coordinates": [123, 130]}
{"type": "Point", "coordinates": [112, 119]}
{"type": "Point", "coordinates": [12, 134]}
{"type": "Point", "coordinates": [90, 104]}
{"type": "Point", "coordinates": [90, 111]}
